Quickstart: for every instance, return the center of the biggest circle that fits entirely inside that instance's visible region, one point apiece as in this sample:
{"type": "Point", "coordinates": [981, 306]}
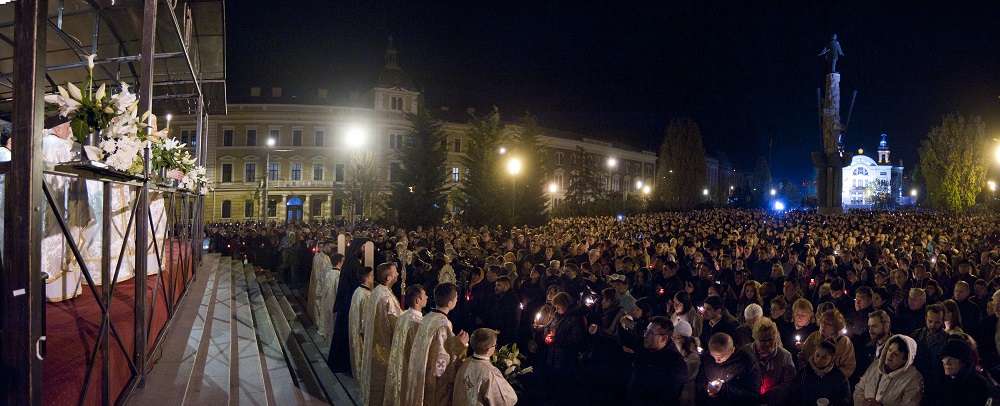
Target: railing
{"type": "Point", "coordinates": [103, 332]}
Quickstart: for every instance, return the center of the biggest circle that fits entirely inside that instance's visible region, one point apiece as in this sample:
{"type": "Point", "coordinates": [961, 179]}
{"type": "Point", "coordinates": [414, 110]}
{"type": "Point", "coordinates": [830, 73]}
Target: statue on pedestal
{"type": "Point", "coordinates": [832, 52]}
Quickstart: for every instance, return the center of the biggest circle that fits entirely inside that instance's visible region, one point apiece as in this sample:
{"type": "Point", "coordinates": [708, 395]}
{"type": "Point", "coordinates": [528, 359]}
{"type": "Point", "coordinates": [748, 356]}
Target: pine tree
{"type": "Point", "coordinates": [585, 193]}
{"type": "Point", "coordinates": [479, 195]}
{"type": "Point", "coordinates": [531, 197]}
{"type": "Point", "coordinates": [420, 195]}
{"type": "Point", "coordinates": [681, 166]}
{"type": "Point", "coordinates": [954, 160]}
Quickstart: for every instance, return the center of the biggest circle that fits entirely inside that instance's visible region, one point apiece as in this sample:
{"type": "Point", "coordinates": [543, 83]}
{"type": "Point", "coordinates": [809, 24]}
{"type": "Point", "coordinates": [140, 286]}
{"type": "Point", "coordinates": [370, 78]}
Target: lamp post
{"type": "Point", "coordinates": [612, 163]}
{"type": "Point", "coordinates": [355, 138]}
{"type": "Point", "coordinates": [514, 167]}
{"type": "Point", "coordinates": [993, 190]}
{"type": "Point", "coordinates": [267, 178]}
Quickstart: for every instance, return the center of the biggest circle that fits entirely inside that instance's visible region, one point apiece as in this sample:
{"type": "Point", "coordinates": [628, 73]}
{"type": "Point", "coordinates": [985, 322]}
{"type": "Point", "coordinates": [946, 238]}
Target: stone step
{"type": "Point", "coordinates": [247, 386]}
{"type": "Point", "coordinates": [210, 381]}
{"type": "Point", "coordinates": [168, 382]}
{"type": "Point", "coordinates": [304, 388]}
{"type": "Point", "coordinates": [313, 346]}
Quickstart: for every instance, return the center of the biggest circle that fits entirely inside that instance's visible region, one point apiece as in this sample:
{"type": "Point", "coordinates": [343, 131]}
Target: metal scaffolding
{"type": "Point", "coordinates": [44, 44]}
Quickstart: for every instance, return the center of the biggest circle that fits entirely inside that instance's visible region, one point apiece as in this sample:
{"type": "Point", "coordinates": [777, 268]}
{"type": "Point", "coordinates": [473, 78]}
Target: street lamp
{"type": "Point", "coordinates": [271, 142]}
{"type": "Point", "coordinates": [612, 163]}
{"type": "Point", "coordinates": [646, 190]}
{"type": "Point", "coordinates": [704, 192]}
{"type": "Point", "coordinates": [514, 167]}
{"type": "Point", "coordinates": [913, 193]}
{"type": "Point", "coordinates": [503, 150]}
{"type": "Point", "coordinates": [553, 188]}
{"type": "Point", "coordinates": [774, 192]}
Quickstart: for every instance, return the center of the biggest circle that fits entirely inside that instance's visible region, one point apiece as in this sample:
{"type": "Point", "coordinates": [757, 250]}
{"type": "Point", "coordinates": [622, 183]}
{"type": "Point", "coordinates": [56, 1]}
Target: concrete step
{"type": "Point", "coordinates": [247, 386]}
{"type": "Point", "coordinates": [168, 381]}
{"type": "Point", "coordinates": [210, 381]}
{"type": "Point", "coordinates": [305, 389]}
{"type": "Point", "coordinates": [312, 345]}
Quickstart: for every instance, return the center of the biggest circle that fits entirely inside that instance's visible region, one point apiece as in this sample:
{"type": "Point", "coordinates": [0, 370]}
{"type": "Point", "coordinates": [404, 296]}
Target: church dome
{"type": "Point", "coordinates": [883, 145]}
{"type": "Point", "coordinates": [392, 76]}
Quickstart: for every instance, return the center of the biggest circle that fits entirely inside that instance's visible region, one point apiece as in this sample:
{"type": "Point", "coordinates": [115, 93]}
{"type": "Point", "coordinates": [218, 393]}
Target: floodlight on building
{"type": "Point", "coordinates": [355, 136]}
{"type": "Point", "coordinates": [779, 206]}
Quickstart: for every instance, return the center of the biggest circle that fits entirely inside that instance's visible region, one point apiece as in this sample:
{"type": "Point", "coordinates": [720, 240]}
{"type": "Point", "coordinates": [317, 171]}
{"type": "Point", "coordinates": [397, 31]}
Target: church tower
{"type": "Point", "coordinates": [394, 92]}
{"type": "Point", "coordinates": [883, 151]}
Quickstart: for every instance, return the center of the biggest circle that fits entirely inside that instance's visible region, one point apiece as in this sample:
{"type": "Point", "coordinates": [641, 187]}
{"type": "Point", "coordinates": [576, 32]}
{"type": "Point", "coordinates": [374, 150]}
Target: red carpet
{"type": "Point", "coordinates": [73, 325]}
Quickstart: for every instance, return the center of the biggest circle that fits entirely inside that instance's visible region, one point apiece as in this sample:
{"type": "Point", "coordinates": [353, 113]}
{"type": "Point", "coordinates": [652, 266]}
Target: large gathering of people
{"type": "Point", "coordinates": [713, 307]}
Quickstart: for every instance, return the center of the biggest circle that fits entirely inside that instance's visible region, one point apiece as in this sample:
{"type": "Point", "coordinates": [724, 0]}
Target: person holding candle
{"type": "Point", "coordinates": [728, 375]}
{"type": "Point", "coordinates": [802, 326]}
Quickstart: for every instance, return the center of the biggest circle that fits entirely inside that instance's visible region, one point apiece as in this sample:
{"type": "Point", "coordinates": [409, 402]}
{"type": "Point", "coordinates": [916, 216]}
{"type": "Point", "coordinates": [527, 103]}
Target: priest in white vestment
{"type": "Point", "coordinates": [62, 283]}
{"type": "Point", "coordinates": [328, 296]}
{"type": "Point", "coordinates": [478, 382]}
{"type": "Point", "coordinates": [355, 336]}
{"type": "Point", "coordinates": [402, 341]}
{"type": "Point", "coordinates": [435, 353]}
{"type": "Point", "coordinates": [379, 322]}
{"type": "Point", "coordinates": [320, 265]}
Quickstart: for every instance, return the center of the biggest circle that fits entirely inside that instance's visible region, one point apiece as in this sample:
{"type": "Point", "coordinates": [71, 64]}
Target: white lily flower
{"type": "Point", "coordinates": [62, 91]}
{"type": "Point", "coordinates": [52, 98]}
{"type": "Point", "coordinates": [74, 92]}
{"type": "Point", "coordinates": [509, 370]}
{"type": "Point", "coordinates": [170, 144]}
{"type": "Point", "coordinates": [90, 61]}
{"type": "Point", "coordinates": [100, 92]}
{"type": "Point", "coordinates": [67, 106]}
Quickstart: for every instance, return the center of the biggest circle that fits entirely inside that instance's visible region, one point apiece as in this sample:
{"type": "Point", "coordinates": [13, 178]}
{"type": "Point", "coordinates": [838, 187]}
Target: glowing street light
{"type": "Point", "coordinates": [503, 150]}
{"type": "Point", "coordinates": [704, 192]}
{"type": "Point", "coordinates": [638, 184]}
{"type": "Point", "coordinates": [992, 185]}
{"type": "Point", "coordinates": [612, 162]}
{"type": "Point", "coordinates": [998, 153]}
{"type": "Point", "coordinates": [913, 193]}
{"type": "Point", "coordinates": [646, 189]}
{"type": "Point", "coordinates": [514, 167]}
{"type": "Point", "coordinates": [270, 142]}
{"type": "Point", "coordinates": [774, 192]}
{"type": "Point", "coordinates": [553, 187]}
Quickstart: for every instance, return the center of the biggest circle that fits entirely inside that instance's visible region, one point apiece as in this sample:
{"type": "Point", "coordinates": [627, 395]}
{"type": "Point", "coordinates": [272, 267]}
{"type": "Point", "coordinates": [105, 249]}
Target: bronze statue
{"type": "Point", "coordinates": [832, 52]}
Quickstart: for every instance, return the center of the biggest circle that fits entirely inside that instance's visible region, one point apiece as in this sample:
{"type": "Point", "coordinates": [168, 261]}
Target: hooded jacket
{"type": "Point", "coordinates": [903, 386]}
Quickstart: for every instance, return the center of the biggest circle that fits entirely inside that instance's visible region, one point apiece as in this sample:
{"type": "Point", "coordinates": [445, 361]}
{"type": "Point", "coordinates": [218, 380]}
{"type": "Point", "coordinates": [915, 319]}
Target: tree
{"type": "Point", "coordinates": [953, 160]}
{"type": "Point", "coordinates": [879, 195]}
{"type": "Point", "coordinates": [479, 193]}
{"type": "Point", "coordinates": [681, 166]}
{"type": "Point", "coordinates": [419, 194]}
{"type": "Point", "coordinates": [585, 194]}
{"type": "Point", "coordinates": [364, 186]}
{"type": "Point", "coordinates": [531, 197]}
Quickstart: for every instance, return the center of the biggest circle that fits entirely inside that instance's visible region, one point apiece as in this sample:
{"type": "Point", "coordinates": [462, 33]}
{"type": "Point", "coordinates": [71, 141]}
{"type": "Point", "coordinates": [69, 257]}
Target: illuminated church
{"type": "Point", "coordinates": [866, 176]}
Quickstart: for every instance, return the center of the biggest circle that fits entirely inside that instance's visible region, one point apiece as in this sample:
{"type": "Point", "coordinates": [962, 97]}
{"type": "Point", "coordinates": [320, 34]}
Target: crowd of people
{"type": "Point", "coordinates": [723, 307]}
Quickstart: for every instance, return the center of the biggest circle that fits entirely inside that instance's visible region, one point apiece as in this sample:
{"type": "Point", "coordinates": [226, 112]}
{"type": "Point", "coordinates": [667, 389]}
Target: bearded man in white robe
{"type": "Point", "coordinates": [379, 322]}
{"type": "Point", "coordinates": [355, 336]}
{"type": "Point", "coordinates": [402, 342]}
{"type": "Point", "coordinates": [478, 382]}
{"type": "Point", "coordinates": [435, 353]}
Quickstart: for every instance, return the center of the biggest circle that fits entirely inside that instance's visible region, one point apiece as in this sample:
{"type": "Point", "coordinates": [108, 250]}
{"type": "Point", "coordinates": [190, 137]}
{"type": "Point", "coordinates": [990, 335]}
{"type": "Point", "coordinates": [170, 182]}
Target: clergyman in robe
{"type": "Point", "coordinates": [328, 296]}
{"type": "Point", "coordinates": [402, 341]}
{"type": "Point", "coordinates": [355, 336]}
{"type": "Point", "coordinates": [435, 353]}
{"type": "Point", "coordinates": [378, 322]}
{"type": "Point", "coordinates": [339, 358]}
{"type": "Point", "coordinates": [478, 382]}
{"type": "Point", "coordinates": [320, 265]}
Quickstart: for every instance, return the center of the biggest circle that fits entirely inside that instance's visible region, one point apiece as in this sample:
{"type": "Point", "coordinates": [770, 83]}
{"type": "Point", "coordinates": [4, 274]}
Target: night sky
{"type": "Point", "coordinates": [747, 75]}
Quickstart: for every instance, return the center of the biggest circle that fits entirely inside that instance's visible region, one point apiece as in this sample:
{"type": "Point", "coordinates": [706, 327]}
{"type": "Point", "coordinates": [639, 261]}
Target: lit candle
{"type": "Point", "coordinates": [522, 306]}
{"type": "Point", "coordinates": [701, 309]}
{"type": "Point", "coordinates": [699, 349]}
{"type": "Point", "coordinates": [538, 316]}
{"type": "Point", "coordinates": [844, 331]}
{"type": "Point", "coordinates": [798, 339]}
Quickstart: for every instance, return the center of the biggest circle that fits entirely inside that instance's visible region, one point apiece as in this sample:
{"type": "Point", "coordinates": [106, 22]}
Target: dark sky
{"type": "Point", "coordinates": [745, 74]}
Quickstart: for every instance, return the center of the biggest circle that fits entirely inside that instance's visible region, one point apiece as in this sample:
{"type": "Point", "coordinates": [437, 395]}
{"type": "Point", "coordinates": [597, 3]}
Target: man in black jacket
{"type": "Point", "coordinates": [716, 319]}
{"type": "Point", "coordinates": [728, 375]}
{"type": "Point", "coordinates": [506, 312]}
{"type": "Point", "coordinates": [659, 372]}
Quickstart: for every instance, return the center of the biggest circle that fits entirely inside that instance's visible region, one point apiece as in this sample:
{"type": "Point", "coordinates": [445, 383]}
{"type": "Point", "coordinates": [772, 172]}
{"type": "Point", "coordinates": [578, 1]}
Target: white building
{"type": "Point", "coordinates": [862, 177]}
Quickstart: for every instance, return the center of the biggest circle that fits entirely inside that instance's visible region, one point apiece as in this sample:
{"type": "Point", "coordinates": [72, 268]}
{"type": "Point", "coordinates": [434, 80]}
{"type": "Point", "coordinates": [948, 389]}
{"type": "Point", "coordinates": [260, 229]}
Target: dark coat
{"type": "Point", "coordinates": [726, 325]}
{"type": "Point", "coordinates": [967, 388]}
{"type": "Point", "coordinates": [742, 377]}
{"type": "Point", "coordinates": [833, 386]}
{"type": "Point", "coordinates": [657, 377]}
{"type": "Point", "coordinates": [986, 342]}
{"type": "Point", "coordinates": [568, 334]}
{"type": "Point", "coordinates": [505, 317]}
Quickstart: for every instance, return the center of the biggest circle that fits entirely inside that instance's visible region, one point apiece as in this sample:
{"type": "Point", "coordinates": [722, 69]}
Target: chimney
{"type": "Point", "coordinates": [444, 108]}
{"type": "Point", "coordinates": [254, 92]}
{"type": "Point", "coordinates": [275, 92]}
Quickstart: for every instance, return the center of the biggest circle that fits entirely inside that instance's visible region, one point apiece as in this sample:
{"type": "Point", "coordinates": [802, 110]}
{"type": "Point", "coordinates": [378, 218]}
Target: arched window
{"type": "Point", "coordinates": [393, 107]}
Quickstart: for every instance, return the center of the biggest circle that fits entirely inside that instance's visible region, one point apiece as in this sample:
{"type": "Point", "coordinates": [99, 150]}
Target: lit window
{"type": "Point", "coordinates": [454, 174]}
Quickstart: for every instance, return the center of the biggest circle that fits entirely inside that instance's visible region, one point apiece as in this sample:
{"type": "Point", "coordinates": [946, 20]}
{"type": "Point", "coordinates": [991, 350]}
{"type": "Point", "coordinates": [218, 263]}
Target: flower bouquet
{"type": "Point", "coordinates": [110, 120]}
{"type": "Point", "coordinates": [508, 359]}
